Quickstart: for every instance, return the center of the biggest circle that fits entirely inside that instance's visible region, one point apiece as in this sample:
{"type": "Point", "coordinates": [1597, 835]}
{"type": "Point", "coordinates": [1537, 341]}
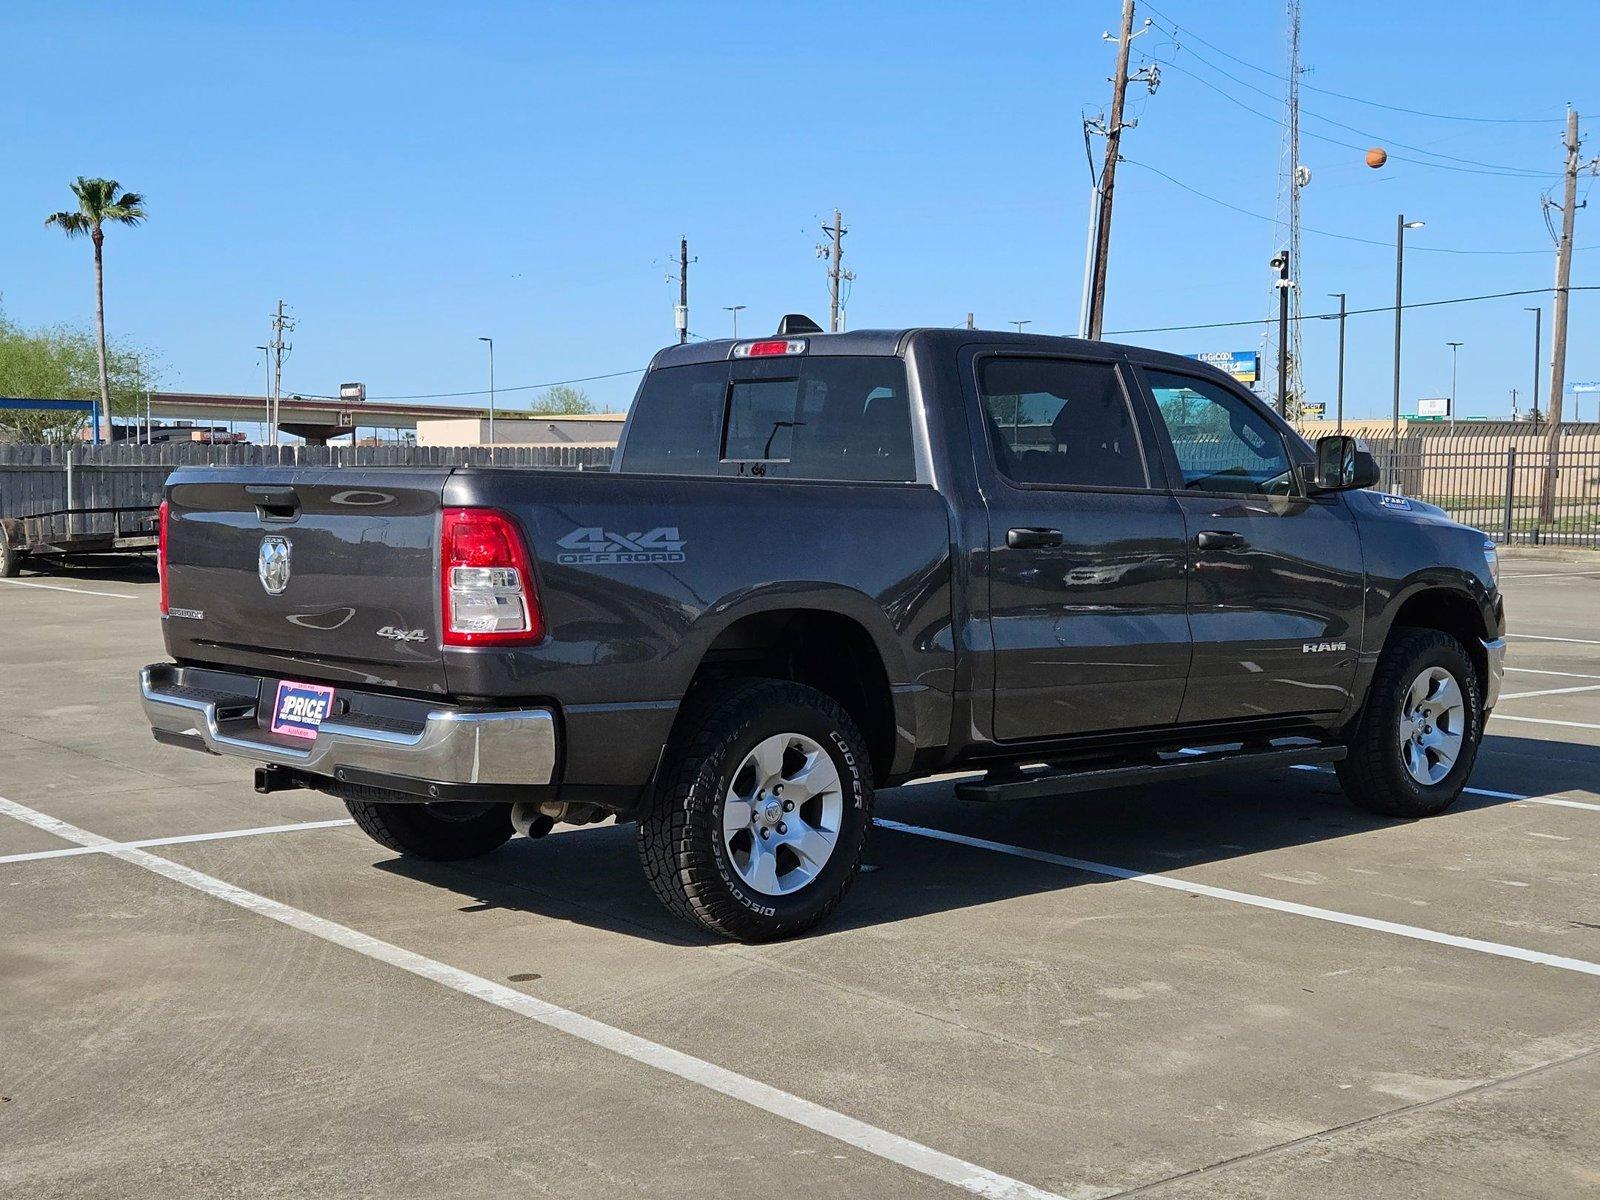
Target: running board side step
{"type": "Point", "coordinates": [1053, 782]}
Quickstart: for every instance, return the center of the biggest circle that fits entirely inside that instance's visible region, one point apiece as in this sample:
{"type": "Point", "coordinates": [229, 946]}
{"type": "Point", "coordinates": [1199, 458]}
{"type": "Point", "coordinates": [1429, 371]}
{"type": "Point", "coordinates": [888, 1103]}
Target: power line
{"type": "Point", "coordinates": [1507, 173]}
{"type": "Point", "coordinates": [1366, 133]}
{"type": "Point", "coordinates": [1356, 312]}
{"type": "Point", "coordinates": [1415, 112]}
{"type": "Point", "coordinates": [1343, 237]}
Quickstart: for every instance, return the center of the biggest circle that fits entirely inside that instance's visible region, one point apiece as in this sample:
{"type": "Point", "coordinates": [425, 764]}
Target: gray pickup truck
{"type": "Point", "coordinates": [824, 564]}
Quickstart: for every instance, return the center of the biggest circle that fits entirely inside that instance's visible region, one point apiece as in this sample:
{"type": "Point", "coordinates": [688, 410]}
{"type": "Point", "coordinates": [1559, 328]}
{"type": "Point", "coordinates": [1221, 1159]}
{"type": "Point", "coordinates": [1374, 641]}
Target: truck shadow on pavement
{"type": "Point", "coordinates": [591, 877]}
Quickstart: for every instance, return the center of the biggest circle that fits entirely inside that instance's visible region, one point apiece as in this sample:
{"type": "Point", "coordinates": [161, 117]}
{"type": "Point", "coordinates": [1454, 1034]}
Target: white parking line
{"type": "Point", "coordinates": [1543, 721]}
{"type": "Point", "coordinates": [892, 1147]}
{"type": "Point", "coordinates": [1494, 795]}
{"type": "Point", "coordinates": [1562, 674]}
{"type": "Point", "coordinates": [1541, 637]}
{"type": "Point", "coordinates": [180, 839]}
{"type": "Point", "coordinates": [1415, 932]}
{"type": "Point", "coordinates": [1552, 575]}
{"type": "Point", "coordinates": [1566, 691]}
{"type": "Point", "coordinates": [53, 587]}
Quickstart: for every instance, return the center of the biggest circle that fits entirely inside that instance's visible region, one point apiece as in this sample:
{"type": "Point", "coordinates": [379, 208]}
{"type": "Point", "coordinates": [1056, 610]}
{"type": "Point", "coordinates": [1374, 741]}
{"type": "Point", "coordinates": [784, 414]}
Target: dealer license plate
{"type": "Point", "coordinates": [301, 708]}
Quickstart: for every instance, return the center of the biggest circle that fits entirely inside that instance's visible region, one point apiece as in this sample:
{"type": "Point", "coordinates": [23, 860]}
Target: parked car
{"type": "Point", "coordinates": [821, 565]}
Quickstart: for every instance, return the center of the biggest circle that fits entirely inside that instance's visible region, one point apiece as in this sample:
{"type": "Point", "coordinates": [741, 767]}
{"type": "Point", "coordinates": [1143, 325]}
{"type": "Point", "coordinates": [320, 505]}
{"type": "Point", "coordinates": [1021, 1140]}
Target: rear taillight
{"type": "Point", "coordinates": [486, 581]}
{"type": "Point", "coordinates": [161, 554]}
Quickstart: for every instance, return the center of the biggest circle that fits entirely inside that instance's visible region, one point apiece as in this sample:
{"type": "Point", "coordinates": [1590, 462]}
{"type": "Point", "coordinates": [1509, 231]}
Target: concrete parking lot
{"type": "Point", "coordinates": [1238, 988]}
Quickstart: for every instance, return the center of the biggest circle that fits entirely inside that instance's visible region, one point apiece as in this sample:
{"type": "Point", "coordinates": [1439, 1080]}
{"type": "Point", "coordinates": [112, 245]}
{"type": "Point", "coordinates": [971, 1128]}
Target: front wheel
{"type": "Point", "coordinates": [759, 820]}
{"type": "Point", "coordinates": [1418, 736]}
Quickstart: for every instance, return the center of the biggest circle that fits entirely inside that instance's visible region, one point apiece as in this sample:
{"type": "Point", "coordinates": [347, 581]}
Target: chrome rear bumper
{"type": "Point", "coordinates": [442, 744]}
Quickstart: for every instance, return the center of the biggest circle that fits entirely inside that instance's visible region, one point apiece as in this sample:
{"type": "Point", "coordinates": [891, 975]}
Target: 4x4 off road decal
{"type": "Point", "coordinates": [594, 545]}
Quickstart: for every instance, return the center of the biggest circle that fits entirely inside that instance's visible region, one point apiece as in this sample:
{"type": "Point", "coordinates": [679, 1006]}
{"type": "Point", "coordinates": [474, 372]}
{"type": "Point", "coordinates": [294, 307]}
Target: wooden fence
{"type": "Point", "coordinates": [38, 480]}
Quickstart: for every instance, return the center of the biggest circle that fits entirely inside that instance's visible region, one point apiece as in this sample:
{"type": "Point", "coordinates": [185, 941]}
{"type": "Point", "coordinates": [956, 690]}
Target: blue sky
{"type": "Point", "coordinates": [412, 176]}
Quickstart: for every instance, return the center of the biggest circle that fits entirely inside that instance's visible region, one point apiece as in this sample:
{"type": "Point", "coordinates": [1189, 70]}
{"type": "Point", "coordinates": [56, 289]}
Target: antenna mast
{"type": "Point", "coordinates": [1292, 177]}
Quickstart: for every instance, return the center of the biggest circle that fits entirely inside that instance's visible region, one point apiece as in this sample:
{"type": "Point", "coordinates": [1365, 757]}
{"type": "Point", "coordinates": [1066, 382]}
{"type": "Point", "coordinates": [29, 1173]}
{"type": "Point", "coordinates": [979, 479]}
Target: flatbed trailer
{"type": "Point", "coordinates": [77, 532]}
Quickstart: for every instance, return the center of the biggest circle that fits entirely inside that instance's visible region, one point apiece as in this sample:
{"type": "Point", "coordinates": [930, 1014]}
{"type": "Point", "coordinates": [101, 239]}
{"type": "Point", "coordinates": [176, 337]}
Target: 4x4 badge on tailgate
{"type": "Point", "coordinates": [273, 564]}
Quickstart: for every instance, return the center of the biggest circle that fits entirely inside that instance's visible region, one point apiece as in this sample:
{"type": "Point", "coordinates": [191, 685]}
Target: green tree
{"type": "Point", "coordinates": [62, 363]}
{"type": "Point", "coordinates": [99, 202]}
{"type": "Point", "coordinates": [562, 399]}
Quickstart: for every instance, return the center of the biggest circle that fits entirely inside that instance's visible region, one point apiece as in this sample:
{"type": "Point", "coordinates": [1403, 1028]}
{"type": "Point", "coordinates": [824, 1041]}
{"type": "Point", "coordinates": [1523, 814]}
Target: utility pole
{"type": "Point", "coordinates": [1538, 354]}
{"type": "Point", "coordinates": [281, 324]}
{"type": "Point", "coordinates": [1094, 318]}
{"type": "Point", "coordinates": [1558, 325]}
{"type": "Point", "coordinates": [1339, 427]}
{"type": "Point", "coordinates": [683, 289]}
{"type": "Point", "coordinates": [970, 325]}
{"type": "Point", "coordinates": [833, 251]}
{"type": "Point", "coordinates": [680, 311]}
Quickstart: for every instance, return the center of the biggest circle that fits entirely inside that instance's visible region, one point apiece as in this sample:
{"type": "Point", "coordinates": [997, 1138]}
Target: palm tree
{"type": "Point", "coordinates": [98, 203]}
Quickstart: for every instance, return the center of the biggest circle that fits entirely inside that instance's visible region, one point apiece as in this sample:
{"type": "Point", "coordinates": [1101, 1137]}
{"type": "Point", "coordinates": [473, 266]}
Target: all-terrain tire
{"type": "Point", "coordinates": [442, 832]}
{"type": "Point", "coordinates": [1374, 775]}
{"type": "Point", "coordinates": [686, 855]}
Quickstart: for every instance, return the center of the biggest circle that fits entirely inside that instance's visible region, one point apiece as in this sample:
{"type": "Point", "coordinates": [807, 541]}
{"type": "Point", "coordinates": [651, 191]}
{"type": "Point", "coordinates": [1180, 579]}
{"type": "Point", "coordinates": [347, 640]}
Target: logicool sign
{"type": "Point", "coordinates": [1243, 365]}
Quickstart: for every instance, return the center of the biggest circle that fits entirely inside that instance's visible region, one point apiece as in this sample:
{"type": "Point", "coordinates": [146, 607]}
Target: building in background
{"type": "Point", "coordinates": [587, 429]}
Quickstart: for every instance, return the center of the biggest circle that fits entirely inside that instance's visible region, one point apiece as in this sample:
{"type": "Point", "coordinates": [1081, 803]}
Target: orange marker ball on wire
{"type": "Point", "coordinates": [1377, 156]}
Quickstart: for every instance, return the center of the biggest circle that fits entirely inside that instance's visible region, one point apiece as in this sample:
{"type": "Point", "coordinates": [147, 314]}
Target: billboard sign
{"type": "Point", "coordinates": [353, 391]}
{"type": "Point", "coordinates": [1314, 412]}
{"type": "Point", "coordinates": [1592, 386]}
{"type": "Point", "coordinates": [1243, 365]}
{"type": "Point", "coordinates": [1434, 406]}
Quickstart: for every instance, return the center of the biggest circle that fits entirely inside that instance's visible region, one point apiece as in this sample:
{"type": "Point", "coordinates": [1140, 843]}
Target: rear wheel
{"type": "Point", "coordinates": [10, 558]}
{"type": "Point", "coordinates": [1418, 735]}
{"type": "Point", "coordinates": [758, 823]}
{"type": "Point", "coordinates": [442, 832]}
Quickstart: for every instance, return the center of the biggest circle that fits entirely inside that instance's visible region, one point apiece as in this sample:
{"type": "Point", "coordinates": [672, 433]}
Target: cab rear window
{"type": "Point", "coordinates": [797, 418]}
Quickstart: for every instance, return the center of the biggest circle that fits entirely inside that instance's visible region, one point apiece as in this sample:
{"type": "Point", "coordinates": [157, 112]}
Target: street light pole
{"type": "Point", "coordinates": [734, 309]}
{"type": "Point", "coordinates": [490, 340]}
{"type": "Point", "coordinates": [1339, 427]}
{"type": "Point", "coordinates": [1282, 263]}
{"type": "Point", "coordinates": [1019, 324]}
{"type": "Point", "coordinates": [1400, 227]}
{"type": "Point", "coordinates": [1538, 353]}
{"type": "Point", "coordinates": [1454, 346]}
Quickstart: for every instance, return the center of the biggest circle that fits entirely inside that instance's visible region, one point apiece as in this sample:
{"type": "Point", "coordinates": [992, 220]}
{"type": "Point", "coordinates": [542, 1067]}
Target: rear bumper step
{"type": "Point", "coordinates": [218, 711]}
{"type": "Point", "coordinates": [1185, 765]}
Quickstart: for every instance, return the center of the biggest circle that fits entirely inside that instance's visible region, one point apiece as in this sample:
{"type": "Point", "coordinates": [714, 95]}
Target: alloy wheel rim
{"type": "Point", "coordinates": [782, 813]}
{"type": "Point", "coordinates": [1432, 727]}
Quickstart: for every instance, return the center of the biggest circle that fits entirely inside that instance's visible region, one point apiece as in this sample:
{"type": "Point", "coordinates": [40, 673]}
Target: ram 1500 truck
{"type": "Point", "coordinates": [823, 564]}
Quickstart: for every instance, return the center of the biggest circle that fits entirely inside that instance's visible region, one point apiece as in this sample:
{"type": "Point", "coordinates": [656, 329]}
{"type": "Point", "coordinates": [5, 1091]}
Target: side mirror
{"type": "Point", "coordinates": [1343, 465]}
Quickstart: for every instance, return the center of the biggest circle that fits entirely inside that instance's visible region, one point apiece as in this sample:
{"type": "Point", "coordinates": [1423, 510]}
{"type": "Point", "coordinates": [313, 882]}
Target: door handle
{"type": "Point", "coordinates": [1027, 538]}
{"type": "Point", "coordinates": [1220, 539]}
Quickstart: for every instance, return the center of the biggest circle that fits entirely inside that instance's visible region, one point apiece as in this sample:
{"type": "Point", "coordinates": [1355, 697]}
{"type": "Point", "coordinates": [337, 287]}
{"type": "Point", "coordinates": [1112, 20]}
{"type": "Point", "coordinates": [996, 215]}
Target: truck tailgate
{"type": "Point", "coordinates": [324, 574]}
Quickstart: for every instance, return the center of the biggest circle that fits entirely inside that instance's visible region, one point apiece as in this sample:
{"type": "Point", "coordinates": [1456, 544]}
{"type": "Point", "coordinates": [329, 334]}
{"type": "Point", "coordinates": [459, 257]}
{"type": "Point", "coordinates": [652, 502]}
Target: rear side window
{"type": "Point", "coordinates": [796, 418]}
{"type": "Point", "coordinates": [1062, 423]}
{"type": "Point", "coordinates": [677, 421]}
